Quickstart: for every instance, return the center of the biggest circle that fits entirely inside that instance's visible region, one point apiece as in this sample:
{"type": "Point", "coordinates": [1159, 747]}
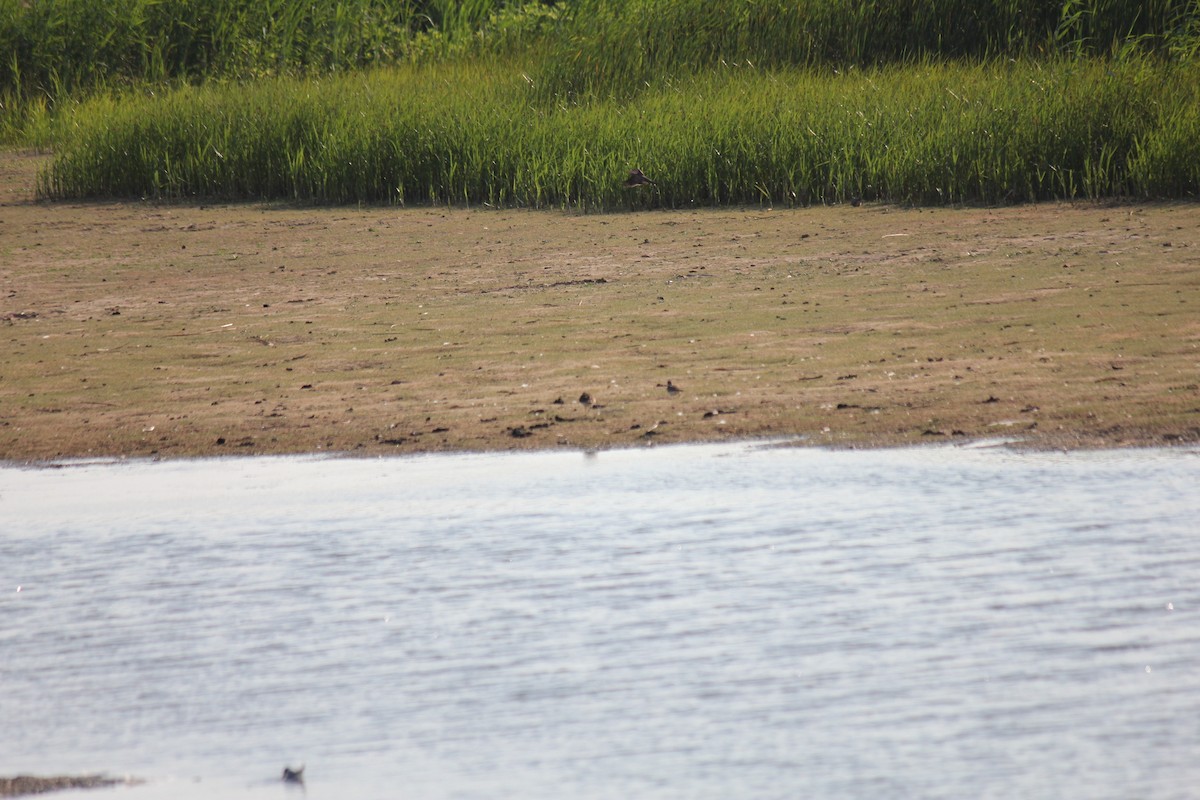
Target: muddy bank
{"type": "Point", "coordinates": [22, 785]}
{"type": "Point", "coordinates": [139, 329]}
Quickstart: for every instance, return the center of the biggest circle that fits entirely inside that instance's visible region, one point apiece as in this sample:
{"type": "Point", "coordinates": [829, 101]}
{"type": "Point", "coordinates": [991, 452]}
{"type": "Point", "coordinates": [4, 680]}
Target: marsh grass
{"type": "Point", "coordinates": [616, 47]}
{"type": "Point", "coordinates": [525, 104]}
{"type": "Point", "coordinates": [57, 47]}
{"type": "Point", "coordinates": [55, 52]}
{"type": "Point", "coordinates": [65, 47]}
{"type": "Point", "coordinates": [476, 132]}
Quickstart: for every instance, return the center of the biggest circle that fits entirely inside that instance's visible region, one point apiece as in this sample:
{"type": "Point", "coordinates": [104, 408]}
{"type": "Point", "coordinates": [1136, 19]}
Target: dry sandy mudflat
{"type": "Point", "coordinates": [146, 329]}
{"type": "Point", "coordinates": [22, 785]}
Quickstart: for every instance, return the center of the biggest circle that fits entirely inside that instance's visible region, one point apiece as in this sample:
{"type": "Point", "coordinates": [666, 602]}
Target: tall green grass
{"type": "Point", "coordinates": [615, 47]}
{"type": "Point", "coordinates": [476, 132]}
{"type": "Point", "coordinates": [58, 51]}
{"type": "Point", "coordinates": [57, 47]}
{"type": "Point", "coordinates": [531, 103]}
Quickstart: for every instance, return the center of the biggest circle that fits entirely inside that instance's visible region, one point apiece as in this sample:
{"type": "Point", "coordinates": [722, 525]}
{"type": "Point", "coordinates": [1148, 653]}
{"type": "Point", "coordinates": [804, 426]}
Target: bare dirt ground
{"type": "Point", "coordinates": [144, 329]}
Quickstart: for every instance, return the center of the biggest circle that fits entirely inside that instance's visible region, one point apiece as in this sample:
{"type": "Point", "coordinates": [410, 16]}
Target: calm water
{"type": "Point", "coordinates": [727, 621]}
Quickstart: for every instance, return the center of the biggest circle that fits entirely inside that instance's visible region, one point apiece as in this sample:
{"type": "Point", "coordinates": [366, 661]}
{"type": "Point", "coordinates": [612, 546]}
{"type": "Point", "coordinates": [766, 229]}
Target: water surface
{"type": "Point", "coordinates": [701, 622]}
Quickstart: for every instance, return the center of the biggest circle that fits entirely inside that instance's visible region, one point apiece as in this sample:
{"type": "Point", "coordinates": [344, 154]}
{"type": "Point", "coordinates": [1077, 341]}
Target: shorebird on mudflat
{"type": "Point", "coordinates": [636, 179]}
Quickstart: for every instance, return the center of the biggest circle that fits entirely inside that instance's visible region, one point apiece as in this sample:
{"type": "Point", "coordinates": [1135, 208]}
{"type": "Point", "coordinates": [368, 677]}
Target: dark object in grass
{"type": "Point", "coordinates": [636, 180]}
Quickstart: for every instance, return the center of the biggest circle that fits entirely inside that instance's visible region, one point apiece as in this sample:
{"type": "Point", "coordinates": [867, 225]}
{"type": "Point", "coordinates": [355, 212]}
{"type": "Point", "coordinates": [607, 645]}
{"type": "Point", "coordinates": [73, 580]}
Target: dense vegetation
{"type": "Point", "coordinates": [68, 46]}
{"type": "Point", "coordinates": [926, 134]}
{"type": "Point", "coordinates": [612, 46]}
{"type": "Point", "coordinates": [720, 101]}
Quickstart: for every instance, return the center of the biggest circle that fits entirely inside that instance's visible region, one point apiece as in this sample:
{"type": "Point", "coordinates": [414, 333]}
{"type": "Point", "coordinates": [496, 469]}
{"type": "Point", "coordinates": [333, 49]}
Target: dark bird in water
{"type": "Point", "coordinates": [672, 388]}
{"type": "Point", "coordinates": [293, 775]}
{"type": "Point", "coordinates": [636, 179]}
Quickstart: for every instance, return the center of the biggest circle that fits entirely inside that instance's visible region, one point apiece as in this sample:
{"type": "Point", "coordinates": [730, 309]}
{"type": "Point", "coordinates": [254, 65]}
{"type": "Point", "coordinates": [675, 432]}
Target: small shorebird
{"type": "Point", "coordinates": [672, 388]}
{"type": "Point", "coordinates": [636, 179]}
{"type": "Point", "coordinates": [293, 775]}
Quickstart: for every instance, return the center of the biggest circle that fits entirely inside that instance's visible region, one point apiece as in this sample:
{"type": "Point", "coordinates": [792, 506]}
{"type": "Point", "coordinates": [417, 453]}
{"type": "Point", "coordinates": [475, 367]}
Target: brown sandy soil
{"type": "Point", "coordinates": [29, 784]}
{"type": "Point", "coordinates": [144, 329]}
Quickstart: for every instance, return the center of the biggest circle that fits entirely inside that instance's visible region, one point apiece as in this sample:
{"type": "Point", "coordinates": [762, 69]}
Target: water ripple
{"type": "Point", "coordinates": [707, 622]}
